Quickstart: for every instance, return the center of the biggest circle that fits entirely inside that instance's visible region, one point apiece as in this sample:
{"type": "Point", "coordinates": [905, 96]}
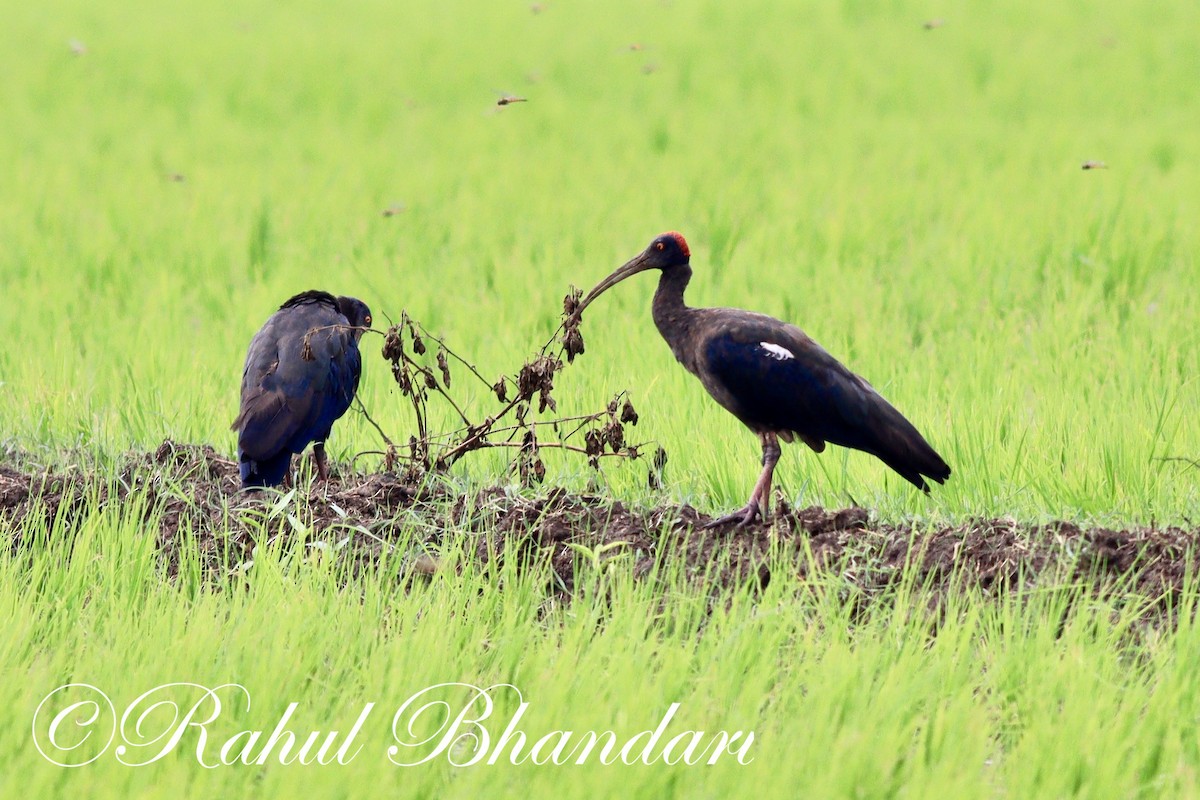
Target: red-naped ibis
{"type": "Point", "coordinates": [301, 374]}
{"type": "Point", "coordinates": [774, 378]}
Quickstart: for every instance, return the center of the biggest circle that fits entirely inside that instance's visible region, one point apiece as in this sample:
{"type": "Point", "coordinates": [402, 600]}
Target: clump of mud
{"type": "Point", "coordinates": [192, 491]}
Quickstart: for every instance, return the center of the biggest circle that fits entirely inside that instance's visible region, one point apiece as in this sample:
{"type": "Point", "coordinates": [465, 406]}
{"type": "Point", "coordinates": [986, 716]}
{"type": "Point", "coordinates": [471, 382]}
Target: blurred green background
{"type": "Point", "coordinates": [911, 196]}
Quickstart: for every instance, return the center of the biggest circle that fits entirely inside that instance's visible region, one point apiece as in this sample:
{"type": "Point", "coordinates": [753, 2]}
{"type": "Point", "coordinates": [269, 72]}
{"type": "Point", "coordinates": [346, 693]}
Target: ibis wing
{"type": "Point", "coordinates": [792, 385]}
{"type": "Point", "coordinates": [341, 369]}
{"type": "Point", "coordinates": [781, 380]}
{"type": "Point", "coordinates": [274, 412]}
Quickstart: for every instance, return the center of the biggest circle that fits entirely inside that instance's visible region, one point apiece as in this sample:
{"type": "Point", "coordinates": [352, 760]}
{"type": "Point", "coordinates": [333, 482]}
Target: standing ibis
{"type": "Point", "coordinates": [301, 374]}
{"type": "Point", "coordinates": [775, 379]}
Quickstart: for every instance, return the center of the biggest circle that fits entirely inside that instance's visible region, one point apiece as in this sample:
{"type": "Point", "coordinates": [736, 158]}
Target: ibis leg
{"type": "Point", "coordinates": [760, 499]}
{"type": "Point", "coordinates": [320, 460]}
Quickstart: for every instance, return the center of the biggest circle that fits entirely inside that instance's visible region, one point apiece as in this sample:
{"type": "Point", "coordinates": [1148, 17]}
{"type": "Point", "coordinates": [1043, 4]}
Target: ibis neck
{"type": "Point", "coordinates": [671, 316]}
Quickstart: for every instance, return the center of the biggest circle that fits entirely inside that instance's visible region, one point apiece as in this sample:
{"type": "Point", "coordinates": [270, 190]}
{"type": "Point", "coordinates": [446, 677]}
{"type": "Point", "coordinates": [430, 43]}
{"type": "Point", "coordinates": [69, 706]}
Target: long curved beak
{"type": "Point", "coordinates": [631, 267]}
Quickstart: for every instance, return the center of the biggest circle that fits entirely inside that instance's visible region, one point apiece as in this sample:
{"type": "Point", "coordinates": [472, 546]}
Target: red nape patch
{"type": "Point", "coordinates": [678, 237]}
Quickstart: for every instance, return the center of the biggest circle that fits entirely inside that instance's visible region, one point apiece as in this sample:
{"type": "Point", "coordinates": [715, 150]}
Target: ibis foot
{"type": "Point", "coordinates": [322, 463]}
{"type": "Point", "coordinates": [760, 499]}
{"type": "Point", "coordinates": [742, 517]}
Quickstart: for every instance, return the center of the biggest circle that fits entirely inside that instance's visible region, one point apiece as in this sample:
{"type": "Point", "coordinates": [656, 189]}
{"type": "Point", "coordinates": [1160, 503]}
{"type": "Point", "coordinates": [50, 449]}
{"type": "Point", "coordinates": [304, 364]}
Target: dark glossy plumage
{"type": "Point", "coordinates": [775, 378]}
{"type": "Point", "coordinates": [746, 367]}
{"type": "Point", "coordinates": [301, 373]}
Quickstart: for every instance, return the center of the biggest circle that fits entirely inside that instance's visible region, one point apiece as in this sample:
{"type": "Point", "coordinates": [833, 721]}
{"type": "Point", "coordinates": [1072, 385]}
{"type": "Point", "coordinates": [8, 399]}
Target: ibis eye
{"type": "Point", "coordinates": [368, 320]}
{"type": "Point", "coordinates": [659, 246]}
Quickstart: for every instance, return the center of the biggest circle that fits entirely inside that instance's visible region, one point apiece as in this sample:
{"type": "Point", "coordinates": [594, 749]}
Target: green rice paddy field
{"type": "Point", "coordinates": [902, 180]}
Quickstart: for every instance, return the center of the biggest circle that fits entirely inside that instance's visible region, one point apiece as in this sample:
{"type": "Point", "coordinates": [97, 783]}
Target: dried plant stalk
{"type": "Point", "coordinates": [515, 424]}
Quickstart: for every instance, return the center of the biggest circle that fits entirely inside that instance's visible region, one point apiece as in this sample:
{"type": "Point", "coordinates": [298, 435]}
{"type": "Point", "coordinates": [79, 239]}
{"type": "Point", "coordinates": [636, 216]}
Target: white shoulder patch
{"type": "Point", "coordinates": [776, 352]}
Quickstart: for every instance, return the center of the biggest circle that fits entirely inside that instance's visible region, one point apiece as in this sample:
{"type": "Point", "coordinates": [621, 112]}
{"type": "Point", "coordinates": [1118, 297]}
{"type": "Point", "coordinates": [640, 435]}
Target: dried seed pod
{"type": "Point", "coordinates": [527, 382]}
{"type": "Point", "coordinates": [529, 463]}
{"type": "Point", "coordinates": [612, 406]}
{"type": "Point", "coordinates": [593, 442]}
{"type": "Point", "coordinates": [546, 401]}
{"type": "Point", "coordinates": [393, 343]}
{"type": "Point", "coordinates": [522, 410]}
{"type": "Point", "coordinates": [571, 301]}
{"type": "Point", "coordinates": [615, 433]}
{"type": "Point", "coordinates": [572, 342]}
{"type": "Point", "coordinates": [444, 366]}
{"type": "Point", "coordinates": [500, 387]}
{"type": "Point", "coordinates": [654, 475]}
{"type": "Point", "coordinates": [537, 375]}
{"type": "Point", "coordinates": [430, 381]}
{"type": "Point", "coordinates": [628, 414]}
{"type": "Point", "coordinates": [402, 379]}
{"type": "Point", "coordinates": [418, 342]}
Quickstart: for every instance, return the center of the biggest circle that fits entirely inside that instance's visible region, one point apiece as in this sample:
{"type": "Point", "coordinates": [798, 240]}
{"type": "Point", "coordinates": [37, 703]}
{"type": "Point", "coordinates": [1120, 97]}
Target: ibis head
{"type": "Point", "coordinates": [669, 251]}
{"type": "Point", "coordinates": [356, 313]}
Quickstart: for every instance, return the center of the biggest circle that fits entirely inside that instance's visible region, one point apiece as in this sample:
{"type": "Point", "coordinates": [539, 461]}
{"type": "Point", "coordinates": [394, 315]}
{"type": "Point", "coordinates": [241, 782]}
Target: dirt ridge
{"type": "Point", "coordinates": [197, 491]}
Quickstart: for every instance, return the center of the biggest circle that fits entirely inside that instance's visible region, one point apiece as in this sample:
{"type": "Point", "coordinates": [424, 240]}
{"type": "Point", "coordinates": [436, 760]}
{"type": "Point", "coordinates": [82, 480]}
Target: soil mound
{"type": "Point", "coordinates": [192, 491]}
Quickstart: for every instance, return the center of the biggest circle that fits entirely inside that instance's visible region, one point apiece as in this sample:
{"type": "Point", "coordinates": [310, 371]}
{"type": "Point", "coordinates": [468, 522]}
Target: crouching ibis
{"type": "Point", "coordinates": [301, 374]}
{"type": "Point", "coordinates": [775, 379]}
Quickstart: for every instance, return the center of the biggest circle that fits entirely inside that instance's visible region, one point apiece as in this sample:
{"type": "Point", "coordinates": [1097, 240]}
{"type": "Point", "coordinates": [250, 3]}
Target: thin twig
{"type": "Point", "coordinates": [438, 388]}
{"type": "Point", "coordinates": [469, 443]}
{"type": "Point", "coordinates": [342, 326]}
{"type": "Point", "coordinates": [1193, 462]}
{"type": "Point", "coordinates": [456, 356]}
{"type": "Point", "coordinates": [581, 418]}
{"type": "Point", "coordinates": [361, 453]}
{"type": "Point", "coordinates": [362, 409]}
{"type": "Point", "coordinates": [553, 446]}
